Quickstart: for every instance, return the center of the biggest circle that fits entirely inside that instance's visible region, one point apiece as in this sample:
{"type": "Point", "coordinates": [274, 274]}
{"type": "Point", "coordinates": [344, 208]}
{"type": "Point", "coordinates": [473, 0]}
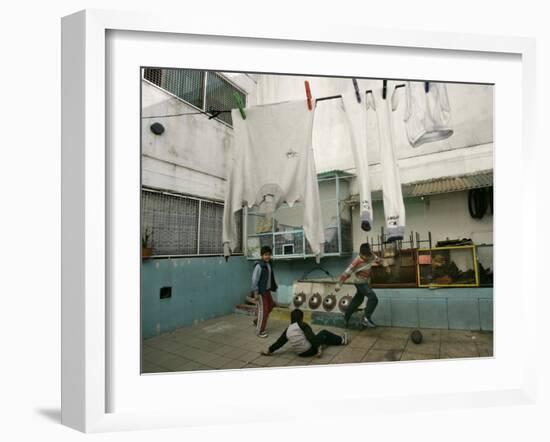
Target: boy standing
{"type": "Point", "coordinates": [302, 340]}
{"type": "Point", "coordinates": [360, 268]}
{"type": "Point", "coordinates": [263, 283]}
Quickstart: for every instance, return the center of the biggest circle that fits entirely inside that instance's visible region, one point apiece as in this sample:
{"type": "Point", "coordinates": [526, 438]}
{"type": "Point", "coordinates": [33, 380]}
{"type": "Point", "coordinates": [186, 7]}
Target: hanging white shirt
{"type": "Point", "coordinates": [273, 163]}
{"type": "Point", "coordinates": [394, 208]}
{"type": "Point", "coordinates": [427, 114]}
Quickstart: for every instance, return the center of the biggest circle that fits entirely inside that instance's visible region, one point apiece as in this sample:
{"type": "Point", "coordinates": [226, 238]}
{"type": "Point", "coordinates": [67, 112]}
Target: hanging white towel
{"type": "Point", "coordinates": [357, 121]}
{"type": "Point", "coordinates": [427, 114]}
{"type": "Point", "coordinates": [273, 164]}
{"type": "Point", "coordinates": [394, 208]}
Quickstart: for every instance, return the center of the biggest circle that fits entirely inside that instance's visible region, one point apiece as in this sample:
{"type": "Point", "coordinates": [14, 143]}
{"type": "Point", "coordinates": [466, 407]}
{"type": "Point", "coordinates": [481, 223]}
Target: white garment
{"type": "Point", "coordinates": [297, 339]}
{"type": "Point", "coordinates": [357, 120]}
{"type": "Point", "coordinates": [394, 208]}
{"type": "Point", "coordinates": [273, 163]}
{"type": "Point", "coordinates": [427, 114]}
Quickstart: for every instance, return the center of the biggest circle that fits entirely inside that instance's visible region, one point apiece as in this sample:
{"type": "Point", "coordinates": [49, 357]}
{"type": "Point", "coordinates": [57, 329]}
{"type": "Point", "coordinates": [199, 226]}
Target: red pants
{"type": "Point", "coordinates": [265, 305]}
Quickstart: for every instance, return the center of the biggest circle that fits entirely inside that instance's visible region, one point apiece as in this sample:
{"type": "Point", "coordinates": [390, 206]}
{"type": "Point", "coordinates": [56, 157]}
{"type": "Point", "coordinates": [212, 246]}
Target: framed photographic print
{"type": "Point", "coordinates": [284, 208]}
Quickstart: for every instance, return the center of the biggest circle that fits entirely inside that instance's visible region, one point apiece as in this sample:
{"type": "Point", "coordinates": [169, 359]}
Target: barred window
{"type": "Point", "coordinates": [180, 225]}
{"type": "Point", "coordinates": [208, 91]}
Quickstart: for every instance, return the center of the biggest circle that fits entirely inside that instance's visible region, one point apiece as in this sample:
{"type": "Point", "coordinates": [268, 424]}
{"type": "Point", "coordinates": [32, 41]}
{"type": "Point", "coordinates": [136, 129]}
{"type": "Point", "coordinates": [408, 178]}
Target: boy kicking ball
{"type": "Point", "coordinates": [359, 273]}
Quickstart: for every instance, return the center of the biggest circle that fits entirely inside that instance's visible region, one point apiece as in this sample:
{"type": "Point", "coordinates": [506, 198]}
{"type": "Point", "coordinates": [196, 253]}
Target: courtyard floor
{"type": "Point", "coordinates": [230, 342]}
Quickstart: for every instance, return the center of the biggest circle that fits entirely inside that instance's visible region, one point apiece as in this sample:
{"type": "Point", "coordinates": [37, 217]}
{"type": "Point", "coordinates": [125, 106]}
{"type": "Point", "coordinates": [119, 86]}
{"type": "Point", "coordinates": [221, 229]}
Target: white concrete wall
{"type": "Point", "coordinates": [445, 215]}
{"type": "Point", "coordinates": [190, 156]}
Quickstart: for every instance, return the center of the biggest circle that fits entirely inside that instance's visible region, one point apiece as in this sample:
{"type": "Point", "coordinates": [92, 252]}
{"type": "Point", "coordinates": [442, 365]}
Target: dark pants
{"type": "Point", "coordinates": [362, 291]}
{"type": "Point", "coordinates": [324, 337]}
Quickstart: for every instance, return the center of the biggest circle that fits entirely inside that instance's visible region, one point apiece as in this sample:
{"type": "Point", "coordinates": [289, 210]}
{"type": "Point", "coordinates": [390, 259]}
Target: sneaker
{"type": "Point", "coordinates": [345, 339]}
{"type": "Point", "coordinates": [366, 322]}
{"type": "Point", "coordinates": [262, 335]}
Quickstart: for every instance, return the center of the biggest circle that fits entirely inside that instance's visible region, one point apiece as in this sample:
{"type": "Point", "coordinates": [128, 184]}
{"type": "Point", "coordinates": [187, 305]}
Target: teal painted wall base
{"type": "Point", "coordinates": [452, 308]}
{"type": "Point", "coordinates": [205, 288]}
{"type": "Point", "coordinates": [202, 288]}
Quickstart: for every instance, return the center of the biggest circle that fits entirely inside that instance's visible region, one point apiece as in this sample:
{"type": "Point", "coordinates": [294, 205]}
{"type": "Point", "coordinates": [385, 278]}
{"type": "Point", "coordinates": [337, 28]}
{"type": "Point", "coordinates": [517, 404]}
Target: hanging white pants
{"type": "Point", "coordinates": [357, 121]}
{"type": "Point", "coordinates": [394, 208]}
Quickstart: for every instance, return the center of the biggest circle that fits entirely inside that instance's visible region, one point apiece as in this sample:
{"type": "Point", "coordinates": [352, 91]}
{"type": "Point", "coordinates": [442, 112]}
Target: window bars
{"type": "Point", "coordinates": [207, 91]}
{"type": "Point", "coordinates": [183, 225]}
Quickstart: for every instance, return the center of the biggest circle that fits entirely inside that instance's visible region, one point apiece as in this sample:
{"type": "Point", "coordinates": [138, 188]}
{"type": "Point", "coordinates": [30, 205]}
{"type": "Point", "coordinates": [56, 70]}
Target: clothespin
{"type": "Point", "coordinates": [308, 95]}
{"type": "Point", "coordinates": [384, 88]}
{"type": "Point", "coordinates": [356, 87]}
{"type": "Point", "coordinates": [370, 100]}
{"type": "Point", "coordinates": [240, 104]}
{"type": "Point", "coordinates": [426, 86]}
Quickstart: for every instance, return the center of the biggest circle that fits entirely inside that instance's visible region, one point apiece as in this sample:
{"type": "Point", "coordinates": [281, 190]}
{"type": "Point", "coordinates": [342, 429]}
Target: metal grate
{"type": "Point", "coordinates": [211, 228]}
{"type": "Point", "coordinates": [239, 222]}
{"type": "Point", "coordinates": [153, 75]}
{"type": "Point", "coordinates": [187, 84]}
{"type": "Point", "coordinates": [174, 222]}
{"type": "Point", "coordinates": [219, 96]}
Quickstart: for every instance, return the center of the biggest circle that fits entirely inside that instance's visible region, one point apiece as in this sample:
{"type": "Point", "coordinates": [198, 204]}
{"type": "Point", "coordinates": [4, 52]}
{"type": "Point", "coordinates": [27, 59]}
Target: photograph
{"type": "Point", "coordinates": [294, 220]}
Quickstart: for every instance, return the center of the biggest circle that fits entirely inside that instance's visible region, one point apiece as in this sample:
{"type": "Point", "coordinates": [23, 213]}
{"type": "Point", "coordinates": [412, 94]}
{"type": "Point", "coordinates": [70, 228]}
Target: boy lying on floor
{"type": "Point", "coordinates": [302, 340]}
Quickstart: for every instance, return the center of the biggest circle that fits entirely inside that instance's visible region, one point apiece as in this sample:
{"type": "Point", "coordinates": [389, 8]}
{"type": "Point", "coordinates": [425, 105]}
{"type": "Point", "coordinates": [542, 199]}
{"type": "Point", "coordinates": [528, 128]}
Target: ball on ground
{"type": "Point", "coordinates": [416, 336]}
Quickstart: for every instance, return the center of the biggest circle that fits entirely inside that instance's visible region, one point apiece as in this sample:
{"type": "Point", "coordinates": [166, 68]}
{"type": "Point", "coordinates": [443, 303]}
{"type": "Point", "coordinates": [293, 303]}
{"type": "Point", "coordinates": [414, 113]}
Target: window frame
{"type": "Point", "coordinates": [204, 91]}
{"type": "Point", "coordinates": [200, 201]}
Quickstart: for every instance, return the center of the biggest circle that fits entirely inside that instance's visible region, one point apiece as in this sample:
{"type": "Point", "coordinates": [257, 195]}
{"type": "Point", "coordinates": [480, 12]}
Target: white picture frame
{"type": "Point", "coordinates": [88, 360]}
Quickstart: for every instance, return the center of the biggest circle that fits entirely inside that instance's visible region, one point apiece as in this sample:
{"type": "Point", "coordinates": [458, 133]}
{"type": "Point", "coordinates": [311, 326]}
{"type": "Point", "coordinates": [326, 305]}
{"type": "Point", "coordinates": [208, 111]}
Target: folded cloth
{"type": "Point", "coordinates": [427, 114]}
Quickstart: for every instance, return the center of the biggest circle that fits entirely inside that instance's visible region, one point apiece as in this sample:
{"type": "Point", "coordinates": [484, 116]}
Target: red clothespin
{"type": "Point", "coordinates": [308, 95]}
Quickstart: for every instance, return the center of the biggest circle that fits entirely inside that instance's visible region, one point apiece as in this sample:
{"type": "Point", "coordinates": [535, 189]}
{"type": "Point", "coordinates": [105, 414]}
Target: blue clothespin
{"type": "Point", "coordinates": [384, 88]}
{"type": "Point", "coordinates": [240, 104]}
{"type": "Point", "coordinates": [356, 87]}
{"type": "Point", "coordinates": [426, 86]}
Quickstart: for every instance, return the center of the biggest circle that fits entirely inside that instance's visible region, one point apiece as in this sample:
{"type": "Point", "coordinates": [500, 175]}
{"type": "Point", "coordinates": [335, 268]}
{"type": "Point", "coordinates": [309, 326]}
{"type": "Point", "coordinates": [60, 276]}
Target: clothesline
{"type": "Point", "coordinates": [214, 113]}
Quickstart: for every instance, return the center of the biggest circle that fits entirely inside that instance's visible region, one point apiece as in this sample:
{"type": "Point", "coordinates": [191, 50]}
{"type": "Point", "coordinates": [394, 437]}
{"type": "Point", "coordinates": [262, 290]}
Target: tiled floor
{"type": "Point", "coordinates": [230, 342]}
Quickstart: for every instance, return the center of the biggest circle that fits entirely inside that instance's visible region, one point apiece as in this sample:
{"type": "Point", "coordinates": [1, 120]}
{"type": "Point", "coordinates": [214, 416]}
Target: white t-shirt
{"type": "Point", "coordinates": [297, 339]}
{"type": "Point", "coordinates": [273, 163]}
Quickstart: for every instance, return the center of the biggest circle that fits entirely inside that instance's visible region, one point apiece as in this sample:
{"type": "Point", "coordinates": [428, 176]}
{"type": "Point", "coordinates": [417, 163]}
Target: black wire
{"type": "Point", "coordinates": [317, 268]}
{"type": "Point", "coordinates": [213, 112]}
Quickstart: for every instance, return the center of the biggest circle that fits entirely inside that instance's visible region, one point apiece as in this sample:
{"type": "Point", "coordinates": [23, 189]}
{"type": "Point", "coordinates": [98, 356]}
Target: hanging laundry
{"type": "Point", "coordinates": [357, 120]}
{"type": "Point", "coordinates": [427, 114]}
{"type": "Point", "coordinates": [394, 208]}
{"type": "Point", "coordinates": [273, 163]}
